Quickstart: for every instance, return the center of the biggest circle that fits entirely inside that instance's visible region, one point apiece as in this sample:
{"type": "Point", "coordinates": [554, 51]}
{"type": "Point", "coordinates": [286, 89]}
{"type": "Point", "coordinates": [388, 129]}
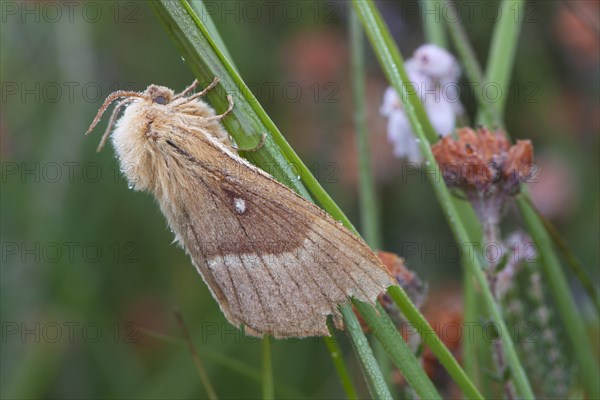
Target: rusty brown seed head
{"type": "Point", "coordinates": [483, 162]}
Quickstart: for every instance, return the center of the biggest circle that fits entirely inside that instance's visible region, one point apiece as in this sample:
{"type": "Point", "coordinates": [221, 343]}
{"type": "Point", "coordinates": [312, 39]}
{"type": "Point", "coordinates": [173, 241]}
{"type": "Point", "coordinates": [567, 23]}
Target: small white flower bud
{"type": "Point", "coordinates": [434, 74]}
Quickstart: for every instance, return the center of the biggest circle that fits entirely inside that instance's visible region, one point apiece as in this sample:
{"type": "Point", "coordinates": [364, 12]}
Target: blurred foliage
{"type": "Point", "coordinates": [87, 264]}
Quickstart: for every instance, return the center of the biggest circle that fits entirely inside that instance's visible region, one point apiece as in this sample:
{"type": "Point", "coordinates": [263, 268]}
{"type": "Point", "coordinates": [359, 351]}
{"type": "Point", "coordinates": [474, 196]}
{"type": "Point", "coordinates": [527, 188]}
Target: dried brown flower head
{"type": "Point", "coordinates": [407, 279]}
{"type": "Point", "coordinates": [483, 162]}
{"type": "Point", "coordinates": [484, 166]}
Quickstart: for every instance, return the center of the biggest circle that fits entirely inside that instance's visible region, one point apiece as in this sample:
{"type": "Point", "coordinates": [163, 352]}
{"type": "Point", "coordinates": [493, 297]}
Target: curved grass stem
{"type": "Point", "coordinates": [500, 62]}
{"type": "Point", "coordinates": [392, 64]}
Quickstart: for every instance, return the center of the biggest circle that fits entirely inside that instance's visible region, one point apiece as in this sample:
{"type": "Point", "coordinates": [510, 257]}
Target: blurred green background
{"type": "Point", "coordinates": [88, 266]}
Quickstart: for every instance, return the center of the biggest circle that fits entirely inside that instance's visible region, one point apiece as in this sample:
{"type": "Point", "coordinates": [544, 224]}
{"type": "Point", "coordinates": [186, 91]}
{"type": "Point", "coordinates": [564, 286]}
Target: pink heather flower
{"type": "Point", "coordinates": [434, 74]}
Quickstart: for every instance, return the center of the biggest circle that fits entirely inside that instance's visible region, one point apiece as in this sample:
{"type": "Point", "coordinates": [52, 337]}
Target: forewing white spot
{"type": "Point", "coordinates": [240, 205]}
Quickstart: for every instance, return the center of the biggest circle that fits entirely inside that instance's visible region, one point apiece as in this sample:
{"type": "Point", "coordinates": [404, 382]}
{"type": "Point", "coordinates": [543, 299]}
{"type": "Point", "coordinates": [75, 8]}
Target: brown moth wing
{"type": "Point", "coordinates": [274, 261]}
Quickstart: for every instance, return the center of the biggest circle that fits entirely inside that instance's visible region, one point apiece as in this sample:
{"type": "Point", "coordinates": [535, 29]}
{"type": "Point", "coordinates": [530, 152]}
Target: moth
{"type": "Point", "coordinates": [275, 262]}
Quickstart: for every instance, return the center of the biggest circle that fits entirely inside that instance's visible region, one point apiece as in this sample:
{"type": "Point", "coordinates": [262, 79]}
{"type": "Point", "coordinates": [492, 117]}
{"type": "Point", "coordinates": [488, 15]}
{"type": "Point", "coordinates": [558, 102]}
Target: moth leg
{"type": "Point", "coordinates": [260, 144]}
{"type": "Point", "coordinates": [226, 140]}
{"type": "Point", "coordinates": [209, 87]}
{"type": "Point", "coordinates": [220, 136]}
{"type": "Point", "coordinates": [188, 89]}
{"type": "Point", "coordinates": [202, 93]}
{"type": "Point", "coordinates": [220, 117]}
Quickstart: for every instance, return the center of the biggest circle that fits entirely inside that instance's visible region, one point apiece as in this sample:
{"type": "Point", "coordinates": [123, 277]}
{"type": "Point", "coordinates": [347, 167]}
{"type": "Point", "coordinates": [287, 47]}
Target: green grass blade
{"type": "Point", "coordinates": [247, 123]}
{"type": "Point", "coordinates": [469, 345]}
{"type": "Point", "coordinates": [248, 120]}
{"type": "Point", "coordinates": [434, 33]}
{"type": "Point", "coordinates": [571, 259]}
{"type": "Point", "coordinates": [202, 374]}
{"type": "Point", "coordinates": [565, 303]}
{"type": "Point", "coordinates": [399, 351]}
{"type": "Point", "coordinates": [225, 361]}
{"type": "Point", "coordinates": [391, 340]}
{"type": "Point", "coordinates": [369, 215]}
{"type": "Point", "coordinates": [433, 341]}
{"type": "Point", "coordinates": [503, 48]}
{"type": "Point", "coordinates": [368, 202]}
{"type": "Point", "coordinates": [389, 57]}
{"type": "Point", "coordinates": [206, 61]}
{"type": "Point", "coordinates": [487, 111]}
{"type": "Point", "coordinates": [500, 60]}
{"type": "Point", "coordinates": [373, 376]}
{"type": "Point", "coordinates": [567, 308]}
{"type": "Point", "coordinates": [338, 361]}
{"type": "Point", "coordinates": [278, 157]}
{"type": "Point", "coordinates": [391, 61]}
{"type": "Point", "coordinates": [433, 24]}
{"type": "Point", "coordinates": [200, 9]}
{"type": "Point", "coordinates": [267, 369]}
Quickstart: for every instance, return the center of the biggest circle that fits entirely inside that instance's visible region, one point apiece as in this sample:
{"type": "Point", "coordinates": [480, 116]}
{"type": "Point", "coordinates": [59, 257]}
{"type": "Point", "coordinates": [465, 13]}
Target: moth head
{"type": "Point", "coordinates": [154, 94]}
{"type": "Point", "coordinates": [159, 94]}
{"type": "Point", "coordinates": [115, 96]}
